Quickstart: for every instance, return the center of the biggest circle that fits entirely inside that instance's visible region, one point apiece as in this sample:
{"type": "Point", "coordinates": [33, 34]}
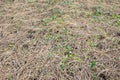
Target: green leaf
{"type": "Point", "coordinates": [68, 48]}
{"type": "Point", "coordinates": [92, 65]}
{"type": "Point", "coordinates": [117, 17]}
{"type": "Point", "coordinates": [61, 66]}
{"type": "Point", "coordinates": [70, 55]}
{"type": "Point", "coordinates": [54, 16]}
{"type": "Point", "coordinates": [98, 11]}
{"type": "Point", "coordinates": [46, 21]}
{"type": "Point", "coordinates": [67, 2]}
{"type": "Point", "coordinates": [92, 44]}
{"type": "Point", "coordinates": [11, 45]}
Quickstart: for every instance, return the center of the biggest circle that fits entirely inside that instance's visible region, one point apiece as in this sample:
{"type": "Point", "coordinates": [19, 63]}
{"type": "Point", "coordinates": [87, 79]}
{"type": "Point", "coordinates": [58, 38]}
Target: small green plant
{"type": "Point", "coordinates": [92, 65]}
{"type": "Point", "coordinates": [56, 12]}
{"type": "Point", "coordinates": [58, 46]}
{"type": "Point", "coordinates": [99, 36]}
{"type": "Point", "coordinates": [67, 58]}
{"type": "Point", "coordinates": [94, 76]}
{"type": "Point", "coordinates": [68, 50]}
{"type": "Point", "coordinates": [92, 44]}
{"type": "Point", "coordinates": [55, 16]}
{"type": "Point", "coordinates": [62, 62]}
{"type": "Point", "coordinates": [98, 14]}
{"type": "Point", "coordinates": [11, 45]}
{"type": "Point", "coordinates": [62, 66]}
{"type": "Point", "coordinates": [98, 11]}
{"type": "Point", "coordinates": [67, 2]}
{"type": "Point", "coordinates": [50, 55]}
{"type": "Point", "coordinates": [117, 17]}
{"type": "Point", "coordinates": [46, 21]}
{"type": "Point", "coordinates": [69, 55]}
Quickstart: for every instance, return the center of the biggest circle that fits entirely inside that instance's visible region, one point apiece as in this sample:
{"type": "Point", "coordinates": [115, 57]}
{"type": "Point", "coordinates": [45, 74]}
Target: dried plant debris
{"type": "Point", "coordinates": [59, 40]}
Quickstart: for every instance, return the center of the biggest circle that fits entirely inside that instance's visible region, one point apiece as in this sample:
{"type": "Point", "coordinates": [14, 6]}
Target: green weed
{"type": "Point", "coordinates": [67, 2]}
{"type": "Point", "coordinates": [92, 44]}
{"type": "Point", "coordinates": [92, 65]}
{"type": "Point", "coordinates": [98, 11]}
{"type": "Point", "coordinates": [117, 17]}
{"type": "Point", "coordinates": [68, 50]}
{"type": "Point", "coordinates": [11, 45]}
{"type": "Point", "coordinates": [56, 12]}
{"type": "Point", "coordinates": [46, 21]}
{"type": "Point", "coordinates": [94, 76]}
{"type": "Point", "coordinates": [62, 66]}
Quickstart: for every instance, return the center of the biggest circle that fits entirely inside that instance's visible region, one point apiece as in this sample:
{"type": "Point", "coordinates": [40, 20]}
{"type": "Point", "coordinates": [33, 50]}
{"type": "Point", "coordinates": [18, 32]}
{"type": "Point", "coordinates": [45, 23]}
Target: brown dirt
{"type": "Point", "coordinates": [59, 40]}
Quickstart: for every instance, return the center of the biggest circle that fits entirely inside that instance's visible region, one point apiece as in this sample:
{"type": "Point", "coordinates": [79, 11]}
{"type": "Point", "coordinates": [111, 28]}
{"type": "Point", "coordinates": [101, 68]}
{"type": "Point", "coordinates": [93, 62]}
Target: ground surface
{"type": "Point", "coordinates": [59, 39]}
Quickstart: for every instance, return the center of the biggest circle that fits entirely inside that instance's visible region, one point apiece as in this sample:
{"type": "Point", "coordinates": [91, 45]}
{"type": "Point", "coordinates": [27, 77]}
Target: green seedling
{"type": "Point", "coordinates": [66, 60]}
{"type": "Point", "coordinates": [50, 55]}
{"type": "Point", "coordinates": [55, 16]}
{"type": "Point", "coordinates": [68, 50]}
{"type": "Point", "coordinates": [56, 12]}
{"type": "Point", "coordinates": [57, 46]}
{"type": "Point", "coordinates": [83, 49]}
{"type": "Point", "coordinates": [62, 63]}
{"type": "Point", "coordinates": [98, 11]}
{"type": "Point", "coordinates": [46, 21]}
{"type": "Point", "coordinates": [117, 17]}
{"type": "Point", "coordinates": [67, 2]}
{"type": "Point", "coordinates": [62, 66]}
{"type": "Point", "coordinates": [92, 44]}
{"type": "Point", "coordinates": [68, 55]}
{"type": "Point", "coordinates": [94, 75]}
{"type": "Point", "coordinates": [92, 65]}
{"type": "Point", "coordinates": [11, 45]}
{"type": "Point", "coordinates": [99, 36]}
{"type": "Point", "coordinates": [65, 30]}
